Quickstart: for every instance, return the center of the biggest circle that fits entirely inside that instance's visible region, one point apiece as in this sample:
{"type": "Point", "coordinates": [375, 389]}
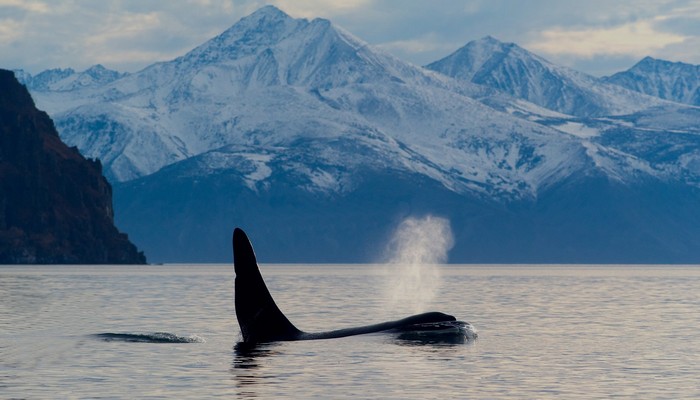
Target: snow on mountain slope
{"type": "Point", "coordinates": [514, 70]}
{"type": "Point", "coordinates": [67, 79]}
{"type": "Point", "coordinates": [322, 144]}
{"type": "Point", "coordinates": [620, 129]}
{"type": "Point", "coordinates": [43, 80]}
{"type": "Point", "coordinates": [271, 80]}
{"type": "Point", "coordinates": [668, 80]}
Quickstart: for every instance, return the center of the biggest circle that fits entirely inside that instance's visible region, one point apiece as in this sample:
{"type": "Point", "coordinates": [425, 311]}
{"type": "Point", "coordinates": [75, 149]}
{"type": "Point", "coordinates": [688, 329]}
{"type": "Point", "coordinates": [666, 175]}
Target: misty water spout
{"type": "Point", "coordinates": [412, 256]}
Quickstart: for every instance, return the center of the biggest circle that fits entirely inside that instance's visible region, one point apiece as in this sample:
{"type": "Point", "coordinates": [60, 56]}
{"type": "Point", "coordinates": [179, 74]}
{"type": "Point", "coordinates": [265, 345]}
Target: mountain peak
{"type": "Point", "coordinates": [268, 10]}
{"type": "Point", "coordinates": [97, 68]}
{"type": "Point", "coordinates": [269, 48]}
{"type": "Point", "coordinates": [265, 15]}
{"type": "Point", "coordinates": [650, 63]}
{"type": "Point", "coordinates": [101, 74]}
{"type": "Point", "coordinates": [491, 41]}
{"type": "Point", "coordinates": [657, 63]}
{"type": "Point", "coordinates": [68, 79]}
{"type": "Point", "coordinates": [477, 56]}
{"type": "Point", "coordinates": [647, 60]}
{"type": "Point", "coordinates": [525, 75]}
{"type": "Point", "coordinates": [675, 81]}
{"type": "Point", "coordinates": [263, 28]}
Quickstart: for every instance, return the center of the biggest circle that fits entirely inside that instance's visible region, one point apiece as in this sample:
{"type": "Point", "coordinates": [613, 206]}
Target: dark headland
{"type": "Point", "coordinates": [55, 205]}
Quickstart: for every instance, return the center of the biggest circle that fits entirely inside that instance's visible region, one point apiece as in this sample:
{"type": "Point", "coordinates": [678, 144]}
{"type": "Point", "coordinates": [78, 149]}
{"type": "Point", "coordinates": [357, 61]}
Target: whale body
{"type": "Point", "coordinates": [262, 321]}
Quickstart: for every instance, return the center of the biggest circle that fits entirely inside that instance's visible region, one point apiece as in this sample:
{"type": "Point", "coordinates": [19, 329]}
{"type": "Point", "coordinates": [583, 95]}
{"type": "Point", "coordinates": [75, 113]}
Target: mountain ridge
{"type": "Point", "coordinates": [300, 127]}
{"type": "Point", "coordinates": [509, 67]}
{"type": "Point", "coordinates": [668, 80]}
{"type": "Point", "coordinates": [321, 74]}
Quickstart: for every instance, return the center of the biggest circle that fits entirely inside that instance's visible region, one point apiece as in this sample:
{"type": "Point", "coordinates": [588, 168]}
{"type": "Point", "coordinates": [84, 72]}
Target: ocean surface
{"type": "Point", "coordinates": [170, 331]}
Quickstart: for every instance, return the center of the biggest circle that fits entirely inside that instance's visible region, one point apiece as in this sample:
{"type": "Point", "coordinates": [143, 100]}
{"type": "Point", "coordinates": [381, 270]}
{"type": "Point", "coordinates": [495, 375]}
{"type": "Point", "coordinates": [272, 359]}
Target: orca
{"type": "Point", "coordinates": [261, 321]}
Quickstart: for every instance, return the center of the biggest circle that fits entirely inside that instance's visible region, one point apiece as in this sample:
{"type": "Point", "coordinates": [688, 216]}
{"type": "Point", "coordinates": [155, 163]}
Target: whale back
{"type": "Point", "coordinates": [262, 321]}
{"type": "Point", "coordinates": [258, 316]}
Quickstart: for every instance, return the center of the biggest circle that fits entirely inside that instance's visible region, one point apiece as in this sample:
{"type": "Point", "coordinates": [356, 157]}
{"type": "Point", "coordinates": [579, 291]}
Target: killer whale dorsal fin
{"type": "Point", "coordinates": [259, 317]}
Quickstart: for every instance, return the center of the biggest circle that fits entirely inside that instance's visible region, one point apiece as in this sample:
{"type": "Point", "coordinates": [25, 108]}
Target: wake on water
{"type": "Point", "coordinates": [154, 337]}
{"type": "Point", "coordinates": [448, 332]}
{"type": "Point", "coordinates": [453, 332]}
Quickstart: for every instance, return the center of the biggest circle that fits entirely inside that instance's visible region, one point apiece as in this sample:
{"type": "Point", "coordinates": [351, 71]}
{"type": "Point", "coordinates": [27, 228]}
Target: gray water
{"type": "Point", "coordinates": [544, 331]}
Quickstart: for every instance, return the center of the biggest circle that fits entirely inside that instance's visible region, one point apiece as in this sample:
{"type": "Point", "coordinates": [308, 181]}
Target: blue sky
{"type": "Point", "coordinates": [599, 37]}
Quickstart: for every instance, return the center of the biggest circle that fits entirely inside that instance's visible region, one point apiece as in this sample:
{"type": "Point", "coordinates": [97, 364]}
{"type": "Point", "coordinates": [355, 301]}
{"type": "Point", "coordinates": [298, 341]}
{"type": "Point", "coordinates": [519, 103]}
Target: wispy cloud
{"type": "Point", "coordinates": [128, 34]}
{"type": "Point", "coordinates": [125, 26]}
{"type": "Point", "coordinates": [636, 38]}
{"type": "Point", "coordinates": [27, 5]}
{"type": "Point", "coordinates": [427, 44]}
{"type": "Point", "coordinates": [10, 31]}
{"type": "Point", "coordinates": [320, 8]}
{"type": "Point", "coordinates": [687, 51]}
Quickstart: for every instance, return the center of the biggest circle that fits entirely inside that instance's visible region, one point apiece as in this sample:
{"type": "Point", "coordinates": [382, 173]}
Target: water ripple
{"type": "Point", "coordinates": [155, 337]}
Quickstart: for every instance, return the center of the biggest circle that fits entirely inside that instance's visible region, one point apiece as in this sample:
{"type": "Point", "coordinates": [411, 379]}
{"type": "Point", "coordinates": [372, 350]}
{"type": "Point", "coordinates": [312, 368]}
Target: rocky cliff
{"type": "Point", "coordinates": [55, 205]}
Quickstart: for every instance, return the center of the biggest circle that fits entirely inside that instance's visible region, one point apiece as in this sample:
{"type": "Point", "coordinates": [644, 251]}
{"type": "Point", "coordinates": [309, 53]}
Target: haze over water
{"type": "Point", "coordinates": [553, 331]}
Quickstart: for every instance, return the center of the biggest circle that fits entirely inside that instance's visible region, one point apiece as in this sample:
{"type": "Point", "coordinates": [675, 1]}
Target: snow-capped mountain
{"type": "Point", "coordinates": [67, 79]}
{"type": "Point", "coordinates": [320, 143]}
{"type": "Point", "coordinates": [271, 80]}
{"type": "Point", "coordinates": [43, 80]}
{"type": "Point", "coordinates": [516, 71]}
{"type": "Point", "coordinates": [674, 81]}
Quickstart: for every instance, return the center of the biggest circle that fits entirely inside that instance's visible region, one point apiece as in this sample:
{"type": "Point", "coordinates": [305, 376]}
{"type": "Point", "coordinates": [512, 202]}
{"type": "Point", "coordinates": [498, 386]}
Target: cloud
{"type": "Point", "coordinates": [10, 31]}
{"type": "Point", "coordinates": [130, 34]}
{"type": "Point", "coordinates": [638, 38]}
{"type": "Point", "coordinates": [124, 35]}
{"type": "Point", "coordinates": [125, 26]}
{"type": "Point", "coordinates": [26, 5]}
{"type": "Point", "coordinates": [686, 51]}
{"type": "Point", "coordinates": [425, 44]}
{"type": "Point", "coordinates": [320, 8]}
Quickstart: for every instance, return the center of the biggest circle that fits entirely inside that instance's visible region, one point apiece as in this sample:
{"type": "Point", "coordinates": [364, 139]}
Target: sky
{"type": "Point", "coordinates": [599, 37]}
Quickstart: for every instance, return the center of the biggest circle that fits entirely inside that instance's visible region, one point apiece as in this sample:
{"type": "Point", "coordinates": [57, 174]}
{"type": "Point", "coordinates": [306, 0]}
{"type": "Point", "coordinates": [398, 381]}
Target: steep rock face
{"type": "Point", "coordinates": [55, 206]}
{"type": "Point", "coordinates": [668, 80]}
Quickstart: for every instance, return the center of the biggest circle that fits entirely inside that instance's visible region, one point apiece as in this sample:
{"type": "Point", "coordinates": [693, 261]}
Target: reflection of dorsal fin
{"type": "Point", "coordinates": [258, 316]}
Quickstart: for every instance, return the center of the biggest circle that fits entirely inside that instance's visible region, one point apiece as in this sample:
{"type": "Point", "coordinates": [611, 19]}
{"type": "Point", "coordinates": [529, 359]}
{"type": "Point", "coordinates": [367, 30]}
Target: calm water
{"type": "Point", "coordinates": [550, 331]}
